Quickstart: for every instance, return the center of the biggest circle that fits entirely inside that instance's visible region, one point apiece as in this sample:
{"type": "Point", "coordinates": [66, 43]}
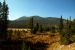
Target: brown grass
{"type": "Point", "coordinates": [46, 37]}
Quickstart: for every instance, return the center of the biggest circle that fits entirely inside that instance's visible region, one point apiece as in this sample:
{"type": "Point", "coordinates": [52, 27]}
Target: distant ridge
{"type": "Point", "coordinates": [24, 21]}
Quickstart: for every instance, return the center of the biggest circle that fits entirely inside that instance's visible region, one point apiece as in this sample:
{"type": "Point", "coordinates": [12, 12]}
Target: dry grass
{"type": "Point", "coordinates": [46, 38]}
{"type": "Point", "coordinates": [53, 41]}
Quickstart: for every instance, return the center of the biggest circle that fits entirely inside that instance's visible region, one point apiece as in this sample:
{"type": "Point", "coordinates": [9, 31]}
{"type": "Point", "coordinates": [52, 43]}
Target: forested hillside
{"type": "Point", "coordinates": [23, 22]}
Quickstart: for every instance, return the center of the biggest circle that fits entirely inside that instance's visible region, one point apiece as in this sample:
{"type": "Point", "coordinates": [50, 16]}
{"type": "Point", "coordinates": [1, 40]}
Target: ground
{"type": "Point", "coordinates": [53, 41]}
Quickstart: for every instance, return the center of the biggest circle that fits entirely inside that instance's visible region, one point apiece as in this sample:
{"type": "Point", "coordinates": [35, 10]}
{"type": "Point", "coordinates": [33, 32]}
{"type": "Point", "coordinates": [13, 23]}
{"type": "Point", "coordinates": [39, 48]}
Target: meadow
{"type": "Point", "coordinates": [39, 41]}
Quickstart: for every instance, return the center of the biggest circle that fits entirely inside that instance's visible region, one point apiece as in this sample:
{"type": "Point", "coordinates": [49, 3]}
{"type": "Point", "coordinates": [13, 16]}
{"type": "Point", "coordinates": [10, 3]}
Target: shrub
{"type": "Point", "coordinates": [53, 29]}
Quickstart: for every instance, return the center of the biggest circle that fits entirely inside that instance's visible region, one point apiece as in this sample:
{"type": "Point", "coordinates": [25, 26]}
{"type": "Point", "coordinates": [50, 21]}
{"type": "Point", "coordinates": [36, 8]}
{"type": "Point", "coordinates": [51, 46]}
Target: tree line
{"type": "Point", "coordinates": [65, 28]}
{"type": "Point", "coordinates": [67, 31]}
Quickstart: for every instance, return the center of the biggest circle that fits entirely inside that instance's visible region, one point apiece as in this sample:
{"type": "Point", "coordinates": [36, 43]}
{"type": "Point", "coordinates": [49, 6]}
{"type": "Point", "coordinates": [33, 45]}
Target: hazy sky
{"type": "Point", "coordinates": [44, 8]}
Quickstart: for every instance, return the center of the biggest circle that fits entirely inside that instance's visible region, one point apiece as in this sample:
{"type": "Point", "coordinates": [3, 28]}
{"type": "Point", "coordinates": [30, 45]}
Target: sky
{"type": "Point", "coordinates": [44, 8]}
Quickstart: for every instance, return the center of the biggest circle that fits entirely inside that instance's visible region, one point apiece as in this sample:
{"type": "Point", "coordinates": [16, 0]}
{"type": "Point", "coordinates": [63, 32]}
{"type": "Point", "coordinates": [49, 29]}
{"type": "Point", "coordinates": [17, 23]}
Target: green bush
{"type": "Point", "coordinates": [53, 30]}
{"type": "Point", "coordinates": [65, 38]}
{"type": "Point", "coordinates": [72, 38]}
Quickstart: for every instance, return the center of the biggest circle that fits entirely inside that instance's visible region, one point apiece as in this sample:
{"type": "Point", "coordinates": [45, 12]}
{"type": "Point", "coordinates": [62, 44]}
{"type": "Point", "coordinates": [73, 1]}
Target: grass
{"type": "Point", "coordinates": [52, 40]}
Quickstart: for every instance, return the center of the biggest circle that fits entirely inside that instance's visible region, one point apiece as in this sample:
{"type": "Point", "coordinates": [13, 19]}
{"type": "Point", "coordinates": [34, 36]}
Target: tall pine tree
{"type": "Point", "coordinates": [3, 20]}
{"type": "Point", "coordinates": [61, 25]}
{"type": "Point", "coordinates": [31, 24]}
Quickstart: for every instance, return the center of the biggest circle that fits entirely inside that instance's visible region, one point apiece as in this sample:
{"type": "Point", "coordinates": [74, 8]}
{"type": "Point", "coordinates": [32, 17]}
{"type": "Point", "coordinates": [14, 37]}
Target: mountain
{"type": "Point", "coordinates": [24, 21]}
{"type": "Point", "coordinates": [50, 20]}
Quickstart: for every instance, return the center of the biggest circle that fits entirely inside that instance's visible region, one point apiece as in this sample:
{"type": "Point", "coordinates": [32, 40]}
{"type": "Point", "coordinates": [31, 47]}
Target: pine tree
{"type": "Point", "coordinates": [31, 24]}
{"type": "Point", "coordinates": [3, 20]}
{"type": "Point", "coordinates": [70, 24]}
{"type": "Point", "coordinates": [53, 29]}
{"type": "Point", "coordinates": [62, 33]}
{"type": "Point", "coordinates": [41, 28]}
{"type": "Point", "coordinates": [0, 16]}
{"type": "Point", "coordinates": [67, 22]}
{"type": "Point", "coordinates": [66, 35]}
{"type": "Point", "coordinates": [70, 33]}
{"type": "Point", "coordinates": [61, 24]}
{"type": "Point", "coordinates": [36, 28]}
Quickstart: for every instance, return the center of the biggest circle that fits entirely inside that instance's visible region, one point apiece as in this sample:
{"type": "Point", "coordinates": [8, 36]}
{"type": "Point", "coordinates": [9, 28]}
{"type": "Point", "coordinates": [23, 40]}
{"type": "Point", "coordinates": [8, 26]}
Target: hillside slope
{"type": "Point", "coordinates": [23, 22]}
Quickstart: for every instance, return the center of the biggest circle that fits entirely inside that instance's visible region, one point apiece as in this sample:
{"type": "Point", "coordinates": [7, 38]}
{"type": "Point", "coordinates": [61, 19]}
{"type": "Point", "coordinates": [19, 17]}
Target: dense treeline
{"type": "Point", "coordinates": [66, 29]}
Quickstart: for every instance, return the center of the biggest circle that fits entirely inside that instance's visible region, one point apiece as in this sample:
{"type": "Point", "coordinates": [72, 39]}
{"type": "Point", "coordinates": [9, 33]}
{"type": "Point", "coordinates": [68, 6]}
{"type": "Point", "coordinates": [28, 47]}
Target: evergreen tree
{"type": "Point", "coordinates": [66, 35]}
{"type": "Point", "coordinates": [73, 26]}
{"type": "Point", "coordinates": [70, 25]}
{"type": "Point", "coordinates": [70, 33]}
{"type": "Point", "coordinates": [62, 33]}
{"type": "Point", "coordinates": [67, 26]}
{"type": "Point", "coordinates": [41, 28]}
{"type": "Point", "coordinates": [67, 22]}
{"type": "Point", "coordinates": [0, 16]}
{"type": "Point", "coordinates": [61, 24]}
{"type": "Point", "coordinates": [53, 29]}
{"type": "Point", "coordinates": [3, 20]}
{"type": "Point", "coordinates": [31, 24]}
{"type": "Point", "coordinates": [36, 28]}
